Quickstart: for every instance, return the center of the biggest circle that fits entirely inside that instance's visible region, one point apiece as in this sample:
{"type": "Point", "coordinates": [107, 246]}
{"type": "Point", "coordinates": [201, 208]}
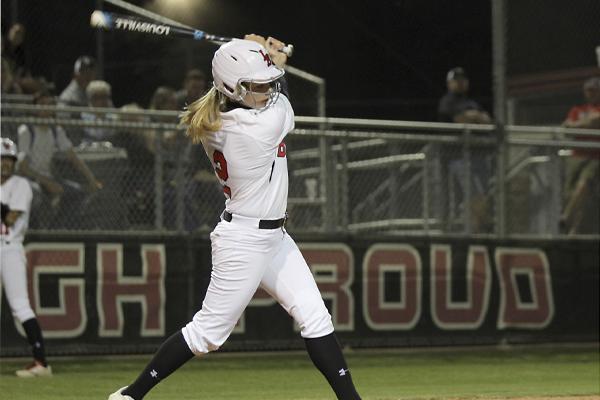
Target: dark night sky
{"type": "Point", "coordinates": [381, 58]}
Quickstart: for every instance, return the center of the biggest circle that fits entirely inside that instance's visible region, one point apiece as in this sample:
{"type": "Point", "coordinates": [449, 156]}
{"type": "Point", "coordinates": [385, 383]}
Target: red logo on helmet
{"type": "Point", "coordinates": [266, 57]}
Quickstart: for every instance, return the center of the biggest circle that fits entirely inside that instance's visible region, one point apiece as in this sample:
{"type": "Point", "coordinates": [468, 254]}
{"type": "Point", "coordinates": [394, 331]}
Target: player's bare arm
{"type": "Point", "coordinates": [50, 185]}
{"type": "Point", "coordinates": [11, 217]}
{"type": "Point", "coordinates": [93, 183]}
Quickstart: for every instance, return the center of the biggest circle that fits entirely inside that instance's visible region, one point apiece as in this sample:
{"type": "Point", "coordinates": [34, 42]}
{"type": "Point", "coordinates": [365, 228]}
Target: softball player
{"type": "Point", "coordinates": [242, 122]}
{"type": "Point", "coordinates": [15, 197]}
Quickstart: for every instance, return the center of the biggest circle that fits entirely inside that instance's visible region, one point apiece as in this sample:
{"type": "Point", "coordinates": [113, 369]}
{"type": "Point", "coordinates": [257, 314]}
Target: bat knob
{"type": "Point", "coordinates": [288, 50]}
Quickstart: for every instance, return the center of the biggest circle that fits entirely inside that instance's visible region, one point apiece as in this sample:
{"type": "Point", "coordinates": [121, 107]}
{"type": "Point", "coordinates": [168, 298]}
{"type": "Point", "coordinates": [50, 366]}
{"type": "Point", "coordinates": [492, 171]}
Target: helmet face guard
{"type": "Point", "coordinates": [251, 98]}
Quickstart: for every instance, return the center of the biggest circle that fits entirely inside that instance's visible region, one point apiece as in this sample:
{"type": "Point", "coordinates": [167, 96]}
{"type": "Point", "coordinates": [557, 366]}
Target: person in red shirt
{"type": "Point", "coordinates": [583, 169]}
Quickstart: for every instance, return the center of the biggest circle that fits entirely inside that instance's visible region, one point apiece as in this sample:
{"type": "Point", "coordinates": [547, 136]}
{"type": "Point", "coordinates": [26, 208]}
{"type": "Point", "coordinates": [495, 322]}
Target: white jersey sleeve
{"type": "Point", "coordinates": [24, 140]}
{"type": "Point", "coordinates": [21, 195]}
{"type": "Point", "coordinates": [62, 141]}
{"type": "Point", "coordinates": [17, 194]}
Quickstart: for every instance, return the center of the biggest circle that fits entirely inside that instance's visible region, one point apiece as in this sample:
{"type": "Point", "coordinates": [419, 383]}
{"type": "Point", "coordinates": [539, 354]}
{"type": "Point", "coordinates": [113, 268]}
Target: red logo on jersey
{"type": "Point", "coordinates": [221, 170]}
{"type": "Point", "coordinates": [281, 150]}
{"type": "Point", "coordinates": [220, 165]}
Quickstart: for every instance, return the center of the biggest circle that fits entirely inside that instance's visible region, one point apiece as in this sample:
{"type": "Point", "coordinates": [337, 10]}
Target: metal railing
{"type": "Point", "coordinates": [372, 177]}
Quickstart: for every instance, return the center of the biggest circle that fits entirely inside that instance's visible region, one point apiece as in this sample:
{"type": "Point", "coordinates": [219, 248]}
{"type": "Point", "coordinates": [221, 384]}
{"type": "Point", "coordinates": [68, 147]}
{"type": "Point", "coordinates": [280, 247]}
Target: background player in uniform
{"type": "Point", "coordinates": [15, 196]}
{"type": "Point", "coordinates": [241, 122]}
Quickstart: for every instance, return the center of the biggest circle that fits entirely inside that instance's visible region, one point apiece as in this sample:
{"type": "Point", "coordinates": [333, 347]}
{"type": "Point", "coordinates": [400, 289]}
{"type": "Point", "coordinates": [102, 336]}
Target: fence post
{"type": "Point", "coordinates": [556, 183]}
{"type": "Point", "coordinates": [158, 181]}
{"type": "Point", "coordinates": [181, 164]}
{"type": "Point", "coordinates": [468, 195]}
{"type": "Point", "coordinates": [499, 74]}
{"type": "Point", "coordinates": [426, 188]}
{"type": "Point", "coordinates": [344, 192]}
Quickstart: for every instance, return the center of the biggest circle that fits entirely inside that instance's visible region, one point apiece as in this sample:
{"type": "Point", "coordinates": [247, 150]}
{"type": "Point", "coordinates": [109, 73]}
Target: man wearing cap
{"type": "Point", "coordinates": [582, 170]}
{"type": "Point", "coordinates": [456, 106]}
{"type": "Point", "coordinates": [84, 72]}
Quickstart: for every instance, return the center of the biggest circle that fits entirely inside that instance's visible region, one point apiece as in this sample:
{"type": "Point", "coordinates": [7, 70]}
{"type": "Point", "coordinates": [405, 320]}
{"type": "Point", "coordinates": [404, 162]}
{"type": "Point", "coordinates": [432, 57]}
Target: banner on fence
{"type": "Point", "coordinates": [126, 294]}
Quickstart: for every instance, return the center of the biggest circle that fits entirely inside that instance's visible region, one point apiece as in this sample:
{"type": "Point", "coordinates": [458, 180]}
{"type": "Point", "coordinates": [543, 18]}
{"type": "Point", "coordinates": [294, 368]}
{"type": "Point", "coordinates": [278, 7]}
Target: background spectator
{"type": "Point", "coordinates": [139, 178]}
{"type": "Point", "coordinates": [38, 145]}
{"type": "Point", "coordinates": [456, 106]}
{"type": "Point", "coordinates": [164, 98]}
{"type": "Point", "coordinates": [99, 95]}
{"type": "Point", "coordinates": [32, 85]}
{"type": "Point", "coordinates": [186, 162]}
{"type": "Point", "coordinates": [9, 83]}
{"type": "Point", "coordinates": [580, 214]}
{"type": "Point", "coordinates": [194, 86]}
{"type": "Point", "coordinates": [84, 71]}
{"type": "Point", "coordinates": [14, 51]}
{"type": "Point", "coordinates": [172, 147]}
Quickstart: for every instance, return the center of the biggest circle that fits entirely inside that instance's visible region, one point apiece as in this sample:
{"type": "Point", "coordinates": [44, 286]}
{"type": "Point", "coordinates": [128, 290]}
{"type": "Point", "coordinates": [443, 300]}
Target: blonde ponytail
{"type": "Point", "coordinates": [203, 116]}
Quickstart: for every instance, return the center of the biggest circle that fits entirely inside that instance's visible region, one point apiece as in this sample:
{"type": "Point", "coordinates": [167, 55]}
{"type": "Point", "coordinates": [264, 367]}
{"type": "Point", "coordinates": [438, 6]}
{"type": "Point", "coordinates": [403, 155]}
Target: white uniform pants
{"type": "Point", "coordinates": [14, 280]}
{"type": "Point", "coordinates": [245, 258]}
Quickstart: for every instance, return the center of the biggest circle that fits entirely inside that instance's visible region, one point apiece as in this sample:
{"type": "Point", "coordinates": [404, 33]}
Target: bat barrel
{"type": "Point", "coordinates": [109, 21]}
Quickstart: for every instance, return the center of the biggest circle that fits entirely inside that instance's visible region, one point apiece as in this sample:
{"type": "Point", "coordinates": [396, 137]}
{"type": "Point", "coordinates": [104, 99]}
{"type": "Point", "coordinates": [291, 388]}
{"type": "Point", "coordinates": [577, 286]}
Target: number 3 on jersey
{"type": "Point", "coordinates": [221, 169]}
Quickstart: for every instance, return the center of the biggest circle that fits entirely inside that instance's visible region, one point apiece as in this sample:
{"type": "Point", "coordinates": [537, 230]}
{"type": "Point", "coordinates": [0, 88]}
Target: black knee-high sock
{"type": "Point", "coordinates": [326, 353]}
{"type": "Point", "coordinates": [35, 339]}
{"type": "Point", "coordinates": [172, 354]}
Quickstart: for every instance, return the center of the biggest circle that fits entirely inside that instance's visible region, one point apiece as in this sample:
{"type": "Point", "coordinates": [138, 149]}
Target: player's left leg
{"type": "Point", "coordinates": [290, 281]}
{"type": "Point", "coordinates": [14, 279]}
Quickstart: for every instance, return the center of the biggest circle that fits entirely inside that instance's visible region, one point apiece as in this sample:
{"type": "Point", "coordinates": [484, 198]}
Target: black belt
{"type": "Point", "coordinates": [262, 224]}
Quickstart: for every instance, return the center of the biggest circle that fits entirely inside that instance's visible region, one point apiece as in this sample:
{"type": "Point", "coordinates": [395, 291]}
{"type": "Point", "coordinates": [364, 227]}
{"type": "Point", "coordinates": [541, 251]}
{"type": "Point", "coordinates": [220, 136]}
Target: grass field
{"type": "Point", "coordinates": [379, 374]}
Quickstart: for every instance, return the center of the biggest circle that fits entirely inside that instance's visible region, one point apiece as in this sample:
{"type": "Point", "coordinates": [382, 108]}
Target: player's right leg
{"type": "Point", "coordinates": [239, 256]}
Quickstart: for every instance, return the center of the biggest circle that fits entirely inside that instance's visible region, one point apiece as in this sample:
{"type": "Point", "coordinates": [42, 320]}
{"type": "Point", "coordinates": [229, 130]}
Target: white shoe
{"type": "Point", "coordinates": [33, 370]}
{"type": "Point", "coordinates": [118, 396]}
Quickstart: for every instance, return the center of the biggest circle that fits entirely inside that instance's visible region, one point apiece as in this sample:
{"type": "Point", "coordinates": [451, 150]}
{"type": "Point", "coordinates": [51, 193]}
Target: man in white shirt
{"type": "Point", "coordinates": [38, 145]}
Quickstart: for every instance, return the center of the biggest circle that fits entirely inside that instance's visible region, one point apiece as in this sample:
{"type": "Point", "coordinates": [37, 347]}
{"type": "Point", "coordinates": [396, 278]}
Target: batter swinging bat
{"type": "Point", "coordinates": [112, 21]}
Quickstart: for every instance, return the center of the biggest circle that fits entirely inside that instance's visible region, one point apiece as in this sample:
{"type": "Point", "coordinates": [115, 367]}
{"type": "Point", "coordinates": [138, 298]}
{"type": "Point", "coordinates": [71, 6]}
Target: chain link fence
{"type": "Point", "coordinates": [393, 178]}
{"type": "Point", "coordinates": [349, 176]}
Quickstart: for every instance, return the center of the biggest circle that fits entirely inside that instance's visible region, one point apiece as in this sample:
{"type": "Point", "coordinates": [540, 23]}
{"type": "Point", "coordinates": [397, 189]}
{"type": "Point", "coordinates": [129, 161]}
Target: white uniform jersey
{"type": "Point", "coordinates": [17, 194]}
{"type": "Point", "coordinates": [249, 158]}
